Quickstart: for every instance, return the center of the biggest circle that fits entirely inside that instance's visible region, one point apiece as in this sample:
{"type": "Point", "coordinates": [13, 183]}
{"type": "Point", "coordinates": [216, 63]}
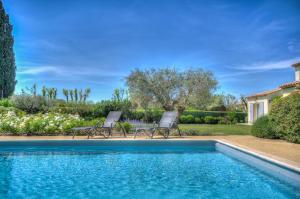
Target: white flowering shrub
{"type": "Point", "coordinates": [38, 124]}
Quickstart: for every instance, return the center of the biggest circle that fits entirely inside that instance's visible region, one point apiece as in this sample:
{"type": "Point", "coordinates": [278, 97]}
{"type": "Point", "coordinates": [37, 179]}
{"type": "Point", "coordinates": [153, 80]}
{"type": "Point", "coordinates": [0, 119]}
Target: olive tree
{"type": "Point", "coordinates": [226, 102]}
{"type": "Point", "coordinates": [170, 88]}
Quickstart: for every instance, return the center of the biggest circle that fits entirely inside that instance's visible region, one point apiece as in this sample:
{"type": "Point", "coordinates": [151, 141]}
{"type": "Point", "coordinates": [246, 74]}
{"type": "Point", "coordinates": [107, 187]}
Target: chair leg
{"type": "Point", "coordinates": [124, 132]}
{"type": "Point", "coordinates": [102, 132]}
{"type": "Point", "coordinates": [166, 134]}
{"type": "Point", "coordinates": [135, 132]}
{"type": "Point", "coordinates": [106, 133]}
{"type": "Point", "coordinates": [109, 132]}
{"type": "Point", "coordinates": [93, 133]}
{"type": "Point", "coordinates": [88, 134]}
{"type": "Point", "coordinates": [152, 133]}
{"type": "Point", "coordinates": [179, 132]}
{"type": "Point", "coordinates": [148, 133]}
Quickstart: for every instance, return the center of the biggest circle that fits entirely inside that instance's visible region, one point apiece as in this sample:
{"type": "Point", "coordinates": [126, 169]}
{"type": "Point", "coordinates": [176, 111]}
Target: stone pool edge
{"type": "Point", "coordinates": [260, 156]}
{"type": "Point", "coordinates": [280, 170]}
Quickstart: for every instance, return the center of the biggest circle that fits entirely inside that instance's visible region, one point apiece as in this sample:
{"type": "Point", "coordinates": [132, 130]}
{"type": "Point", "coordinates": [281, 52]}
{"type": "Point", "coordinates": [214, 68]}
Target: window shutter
{"type": "Point", "coordinates": [251, 113]}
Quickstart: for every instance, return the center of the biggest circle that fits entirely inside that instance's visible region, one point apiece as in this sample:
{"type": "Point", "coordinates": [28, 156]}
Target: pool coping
{"type": "Point", "coordinates": [260, 156]}
{"type": "Point", "coordinates": [265, 157]}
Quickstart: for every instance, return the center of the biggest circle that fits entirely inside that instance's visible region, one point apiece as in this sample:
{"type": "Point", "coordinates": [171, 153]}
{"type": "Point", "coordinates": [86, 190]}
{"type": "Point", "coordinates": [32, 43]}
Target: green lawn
{"type": "Point", "coordinates": [215, 129]}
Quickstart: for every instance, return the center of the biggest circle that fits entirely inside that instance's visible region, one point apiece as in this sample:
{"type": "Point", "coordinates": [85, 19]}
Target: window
{"type": "Point", "coordinates": [260, 109]}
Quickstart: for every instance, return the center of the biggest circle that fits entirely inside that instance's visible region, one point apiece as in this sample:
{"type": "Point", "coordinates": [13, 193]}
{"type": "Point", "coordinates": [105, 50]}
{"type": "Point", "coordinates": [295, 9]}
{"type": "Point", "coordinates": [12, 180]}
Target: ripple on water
{"type": "Point", "coordinates": [133, 175]}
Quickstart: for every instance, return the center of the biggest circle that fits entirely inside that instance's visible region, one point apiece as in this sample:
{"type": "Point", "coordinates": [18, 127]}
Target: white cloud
{"type": "Point", "coordinates": [273, 26]}
{"type": "Point", "coordinates": [264, 66]}
{"type": "Point", "coordinates": [256, 68]}
{"type": "Point", "coordinates": [66, 72]}
{"type": "Point", "coordinates": [38, 70]}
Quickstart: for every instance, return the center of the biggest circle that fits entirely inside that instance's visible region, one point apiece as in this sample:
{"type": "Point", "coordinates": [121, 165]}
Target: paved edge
{"type": "Point", "coordinates": [263, 157]}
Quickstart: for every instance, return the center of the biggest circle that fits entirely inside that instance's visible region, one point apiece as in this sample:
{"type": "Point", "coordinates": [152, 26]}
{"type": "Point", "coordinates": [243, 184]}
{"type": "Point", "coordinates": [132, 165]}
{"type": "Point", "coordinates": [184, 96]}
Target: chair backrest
{"type": "Point", "coordinates": [168, 118]}
{"type": "Point", "coordinates": [112, 118]}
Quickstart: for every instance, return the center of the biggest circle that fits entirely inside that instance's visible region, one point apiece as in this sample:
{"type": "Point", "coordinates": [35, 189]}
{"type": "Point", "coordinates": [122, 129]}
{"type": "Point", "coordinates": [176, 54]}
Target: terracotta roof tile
{"type": "Point", "coordinates": [296, 64]}
{"type": "Point", "coordinates": [283, 86]}
{"type": "Point", "coordinates": [287, 85]}
{"type": "Point", "coordinates": [264, 93]}
{"type": "Point", "coordinates": [291, 84]}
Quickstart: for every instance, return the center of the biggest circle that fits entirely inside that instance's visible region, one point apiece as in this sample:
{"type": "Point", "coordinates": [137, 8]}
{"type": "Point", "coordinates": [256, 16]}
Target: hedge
{"type": "Point", "coordinates": [283, 120]}
{"type": "Point", "coordinates": [263, 128]}
{"type": "Point", "coordinates": [285, 116]}
{"type": "Point", "coordinates": [193, 116]}
{"type": "Point", "coordinates": [239, 116]}
{"type": "Point", "coordinates": [187, 117]}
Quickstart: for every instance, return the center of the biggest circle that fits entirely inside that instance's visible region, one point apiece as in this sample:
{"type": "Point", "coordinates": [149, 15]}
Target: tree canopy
{"type": "Point", "coordinates": [228, 102]}
{"type": "Point", "coordinates": [170, 88]}
{"type": "Point", "coordinates": [7, 57]}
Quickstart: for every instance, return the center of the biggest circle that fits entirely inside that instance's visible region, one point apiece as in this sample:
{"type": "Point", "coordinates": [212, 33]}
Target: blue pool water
{"type": "Point", "coordinates": [114, 169]}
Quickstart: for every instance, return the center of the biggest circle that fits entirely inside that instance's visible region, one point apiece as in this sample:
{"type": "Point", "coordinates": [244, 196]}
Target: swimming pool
{"type": "Point", "coordinates": [139, 169]}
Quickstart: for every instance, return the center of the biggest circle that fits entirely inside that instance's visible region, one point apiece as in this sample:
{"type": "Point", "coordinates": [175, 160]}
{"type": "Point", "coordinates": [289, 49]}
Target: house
{"type": "Point", "coordinates": [260, 103]}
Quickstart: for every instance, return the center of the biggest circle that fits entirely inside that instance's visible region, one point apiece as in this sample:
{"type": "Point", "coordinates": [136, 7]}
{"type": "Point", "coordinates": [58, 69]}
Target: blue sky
{"type": "Point", "coordinates": [249, 45]}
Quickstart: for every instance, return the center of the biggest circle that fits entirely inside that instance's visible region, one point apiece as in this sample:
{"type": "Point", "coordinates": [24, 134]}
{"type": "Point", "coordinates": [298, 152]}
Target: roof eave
{"type": "Point", "coordinates": [296, 64]}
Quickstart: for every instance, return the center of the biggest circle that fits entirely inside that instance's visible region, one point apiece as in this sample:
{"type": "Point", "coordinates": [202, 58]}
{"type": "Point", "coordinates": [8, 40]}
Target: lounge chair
{"type": "Point", "coordinates": [104, 129]}
{"type": "Point", "coordinates": [141, 127]}
{"type": "Point", "coordinates": [168, 121]}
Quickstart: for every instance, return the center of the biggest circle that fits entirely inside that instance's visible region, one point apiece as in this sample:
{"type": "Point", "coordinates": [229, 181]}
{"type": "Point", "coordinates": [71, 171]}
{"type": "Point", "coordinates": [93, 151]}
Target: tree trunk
{"type": "Point", "coordinates": [168, 107]}
{"type": "Point", "coordinates": [180, 109]}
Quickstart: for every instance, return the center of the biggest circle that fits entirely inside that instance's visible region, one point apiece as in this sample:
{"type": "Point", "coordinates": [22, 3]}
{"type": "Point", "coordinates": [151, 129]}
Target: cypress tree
{"type": "Point", "coordinates": [7, 56]}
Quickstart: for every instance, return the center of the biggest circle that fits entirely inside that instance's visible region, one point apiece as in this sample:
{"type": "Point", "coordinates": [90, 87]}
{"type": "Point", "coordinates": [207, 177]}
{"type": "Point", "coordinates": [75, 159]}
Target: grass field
{"type": "Point", "coordinates": [215, 129]}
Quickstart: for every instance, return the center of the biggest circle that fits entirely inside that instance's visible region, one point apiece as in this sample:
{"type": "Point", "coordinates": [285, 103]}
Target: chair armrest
{"type": "Point", "coordinates": [155, 124]}
{"type": "Point", "coordinates": [172, 124]}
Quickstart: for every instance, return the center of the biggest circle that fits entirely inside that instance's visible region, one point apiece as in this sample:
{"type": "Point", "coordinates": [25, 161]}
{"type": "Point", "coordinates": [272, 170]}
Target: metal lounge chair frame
{"type": "Point", "coordinates": [168, 121]}
{"type": "Point", "coordinates": [102, 128]}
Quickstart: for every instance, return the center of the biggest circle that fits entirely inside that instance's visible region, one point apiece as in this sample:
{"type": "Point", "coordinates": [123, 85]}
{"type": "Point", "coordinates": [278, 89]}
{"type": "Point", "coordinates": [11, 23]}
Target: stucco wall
{"type": "Point", "coordinates": [297, 73]}
{"type": "Point", "coordinates": [264, 100]}
{"type": "Point", "coordinates": [267, 100]}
